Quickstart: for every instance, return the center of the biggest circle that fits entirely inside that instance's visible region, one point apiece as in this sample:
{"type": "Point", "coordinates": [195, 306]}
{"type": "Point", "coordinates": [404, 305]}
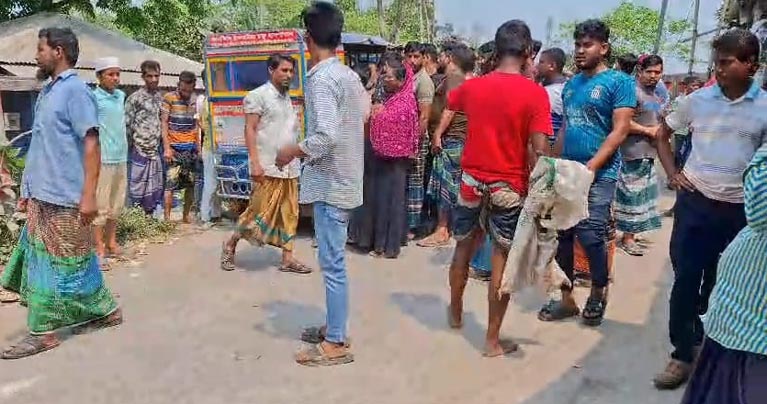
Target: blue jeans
{"type": "Point", "coordinates": [330, 227]}
{"type": "Point", "coordinates": [592, 234]}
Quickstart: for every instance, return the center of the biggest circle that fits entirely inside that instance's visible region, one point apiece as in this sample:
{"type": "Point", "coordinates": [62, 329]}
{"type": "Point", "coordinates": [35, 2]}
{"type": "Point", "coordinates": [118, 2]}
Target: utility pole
{"type": "Point", "coordinates": [661, 23]}
{"type": "Point", "coordinates": [694, 37]}
{"type": "Point", "coordinates": [549, 31]}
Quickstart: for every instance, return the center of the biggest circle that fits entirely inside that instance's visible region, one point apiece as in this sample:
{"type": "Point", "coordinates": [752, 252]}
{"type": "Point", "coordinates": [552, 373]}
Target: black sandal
{"type": "Point", "coordinates": [554, 310]}
{"type": "Point", "coordinates": [594, 312]}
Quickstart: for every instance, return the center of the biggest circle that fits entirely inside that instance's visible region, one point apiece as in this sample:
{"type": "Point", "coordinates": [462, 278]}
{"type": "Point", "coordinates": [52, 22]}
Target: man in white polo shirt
{"type": "Point", "coordinates": [728, 127]}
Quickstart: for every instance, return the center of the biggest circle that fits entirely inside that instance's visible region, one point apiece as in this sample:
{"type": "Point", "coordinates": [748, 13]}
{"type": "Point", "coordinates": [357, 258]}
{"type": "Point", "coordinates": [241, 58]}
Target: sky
{"type": "Point", "coordinates": [484, 16]}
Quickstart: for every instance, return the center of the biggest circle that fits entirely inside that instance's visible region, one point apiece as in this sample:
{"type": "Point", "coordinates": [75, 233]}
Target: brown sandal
{"type": "Point", "coordinates": [315, 355]}
{"type": "Point", "coordinates": [227, 259]}
{"type": "Point", "coordinates": [295, 267]}
{"type": "Point", "coordinates": [29, 346]}
{"type": "Point", "coordinates": [108, 321]}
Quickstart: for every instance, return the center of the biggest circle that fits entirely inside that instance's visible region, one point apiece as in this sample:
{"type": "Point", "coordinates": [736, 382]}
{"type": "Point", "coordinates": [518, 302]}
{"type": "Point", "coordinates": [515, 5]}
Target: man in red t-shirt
{"type": "Point", "coordinates": [506, 111]}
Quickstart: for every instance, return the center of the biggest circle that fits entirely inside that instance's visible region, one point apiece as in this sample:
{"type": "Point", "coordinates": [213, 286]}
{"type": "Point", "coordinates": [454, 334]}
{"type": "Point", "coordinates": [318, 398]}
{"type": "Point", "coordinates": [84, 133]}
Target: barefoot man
{"type": "Point", "coordinates": [272, 214]}
{"type": "Point", "coordinates": [495, 172]}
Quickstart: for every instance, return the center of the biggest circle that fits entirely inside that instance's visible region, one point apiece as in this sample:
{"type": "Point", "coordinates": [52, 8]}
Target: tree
{"type": "Point", "coordinates": [633, 28]}
{"type": "Point", "coordinates": [11, 9]}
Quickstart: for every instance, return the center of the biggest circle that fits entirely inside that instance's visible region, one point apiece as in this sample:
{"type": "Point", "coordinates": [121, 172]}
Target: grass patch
{"type": "Point", "coordinates": [135, 225]}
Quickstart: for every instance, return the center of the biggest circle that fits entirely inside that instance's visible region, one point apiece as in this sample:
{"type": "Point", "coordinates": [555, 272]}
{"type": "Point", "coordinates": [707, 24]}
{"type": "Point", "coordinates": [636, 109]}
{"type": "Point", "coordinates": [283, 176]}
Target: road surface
{"type": "Point", "coordinates": [196, 335]}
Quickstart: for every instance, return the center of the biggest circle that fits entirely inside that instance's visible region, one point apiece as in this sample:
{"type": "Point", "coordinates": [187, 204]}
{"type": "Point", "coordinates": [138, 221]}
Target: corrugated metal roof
{"type": "Point", "coordinates": [352, 38]}
{"type": "Point", "coordinates": [127, 78]}
{"type": "Point", "coordinates": [19, 46]}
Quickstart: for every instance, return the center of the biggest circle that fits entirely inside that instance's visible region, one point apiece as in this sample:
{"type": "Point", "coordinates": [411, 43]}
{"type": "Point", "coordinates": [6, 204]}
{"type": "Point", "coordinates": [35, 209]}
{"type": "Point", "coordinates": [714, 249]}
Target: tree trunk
{"type": "Point", "coordinates": [397, 5]}
{"type": "Point", "coordinates": [381, 18]}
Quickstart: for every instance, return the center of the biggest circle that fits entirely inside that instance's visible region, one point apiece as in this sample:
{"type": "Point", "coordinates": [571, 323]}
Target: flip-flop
{"type": "Point", "coordinates": [555, 311]}
{"type": "Point", "coordinates": [315, 355]}
{"type": "Point", "coordinates": [227, 259]}
{"type": "Point", "coordinates": [295, 268]}
{"type": "Point", "coordinates": [110, 320]}
{"type": "Point", "coordinates": [430, 242]}
{"type": "Point", "coordinates": [6, 296]}
{"type": "Point", "coordinates": [508, 347]}
{"type": "Point", "coordinates": [633, 249]}
{"type": "Point", "coordinates": [29, 346]}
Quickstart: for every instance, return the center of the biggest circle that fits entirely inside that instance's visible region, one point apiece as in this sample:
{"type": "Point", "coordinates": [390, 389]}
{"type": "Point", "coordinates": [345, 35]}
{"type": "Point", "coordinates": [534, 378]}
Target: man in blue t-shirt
{"type": "Point", "coordinates": [599, 104]}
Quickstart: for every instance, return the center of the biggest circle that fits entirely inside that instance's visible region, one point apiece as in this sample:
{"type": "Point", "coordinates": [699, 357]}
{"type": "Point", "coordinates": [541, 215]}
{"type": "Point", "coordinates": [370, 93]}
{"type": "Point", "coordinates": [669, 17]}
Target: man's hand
{"type": "Point", "coordinates": [592, 166]}
{"type": "Point", "coordinates": [680, 182]}
{"type": "Point", "coordinates": [285, 155]}
{"type": "Point", "coordinates": [88, 209]}
{"type": "Point", "coordinates": [168, 154]}
{"type": "Point", "coordinates": [21, 205]}
{"type": "Point", "coordinates": [436, 145]}
{"type": "Point", "coordinates": [256, 172]}
{"type": "Point", "coordinates": [652, 132]}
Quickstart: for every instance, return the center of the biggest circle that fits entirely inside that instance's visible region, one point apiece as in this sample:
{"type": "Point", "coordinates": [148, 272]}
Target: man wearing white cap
{"type": "Point", "coordinates": [113, 177]}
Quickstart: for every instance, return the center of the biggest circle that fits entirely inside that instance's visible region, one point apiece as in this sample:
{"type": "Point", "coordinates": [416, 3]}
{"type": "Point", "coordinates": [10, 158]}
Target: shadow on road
{"type": "Point", "coordinates": [286, 320]}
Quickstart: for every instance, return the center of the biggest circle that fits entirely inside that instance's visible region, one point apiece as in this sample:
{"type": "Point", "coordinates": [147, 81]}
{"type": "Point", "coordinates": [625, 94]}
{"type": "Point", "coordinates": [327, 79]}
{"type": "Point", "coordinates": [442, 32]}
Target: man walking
{"type": "Point", "coordinates": [55, 260]}
{"type": "Point", "coordinates": [142, 120]}
{"type": "Point", "coordinates": [181, 143]}
{"type": "Point", "coordinates": [729, 127]}
{"type": "Point", "coordinates": [113, 176]}
{"type": "Point", "coordinates": [495, 172]}
{"type": "Point", "coordinates": [637, 192]}
{"type": "Point", "coordinates": [336, 108]}
{"type": "Point", "coordinates": [272, 214]}
{"type": "Point", "coordinates": [599, 104]}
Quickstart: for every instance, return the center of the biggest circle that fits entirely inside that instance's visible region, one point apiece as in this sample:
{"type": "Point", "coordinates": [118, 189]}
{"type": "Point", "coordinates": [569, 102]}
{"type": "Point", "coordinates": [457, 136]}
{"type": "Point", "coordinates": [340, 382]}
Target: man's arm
{"type": "Point", "coordinates": [423, 119]}
{"type": "Point", "coordinates": [621, 125]}
{"type": "Point", "coordinates": [637, 129]}
{"type": "Point", "coordinates": [559, 143]}
{"type": "Point", "coordinates": [91, 168]}
{"type": "Point", "coordinates": [164, 128]}
{"type": "Point", "coordinates": [130, 115]}
{"type": "Point", "coordinates": [444, 122]}
{"type": "Point", "coordinates": [665, 154]}
{"type": "Point", "coordinates": [251, 142]}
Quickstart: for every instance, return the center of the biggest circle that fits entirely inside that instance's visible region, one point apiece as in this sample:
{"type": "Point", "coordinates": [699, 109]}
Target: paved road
{"type": "Point", "coordinates": [194, 334]}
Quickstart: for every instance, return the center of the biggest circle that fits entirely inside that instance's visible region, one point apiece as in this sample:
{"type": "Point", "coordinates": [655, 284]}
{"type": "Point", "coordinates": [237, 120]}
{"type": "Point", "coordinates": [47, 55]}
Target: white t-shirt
{"type": "Point", "coordinates": [276, 128]}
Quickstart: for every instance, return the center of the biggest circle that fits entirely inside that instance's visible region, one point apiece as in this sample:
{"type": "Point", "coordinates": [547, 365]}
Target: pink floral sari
{"type": "Point", "coordinates": [394, 129]}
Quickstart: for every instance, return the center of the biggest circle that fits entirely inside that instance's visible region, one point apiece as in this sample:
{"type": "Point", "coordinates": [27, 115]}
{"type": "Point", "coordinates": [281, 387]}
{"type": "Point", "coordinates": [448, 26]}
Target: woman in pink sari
{"type": "Point", "coordinates": [394, 140]}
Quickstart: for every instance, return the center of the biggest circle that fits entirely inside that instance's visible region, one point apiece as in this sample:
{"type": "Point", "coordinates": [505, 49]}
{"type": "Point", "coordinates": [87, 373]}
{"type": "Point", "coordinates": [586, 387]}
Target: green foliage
{"type": "Point", "coordinates": [135, 225]}
{"type": "Point", "coordinates": [10, 9]}
{"type": "Point", "coordinates": [633, 28]}
{"type": "Point", "coordinates": [10, 222]}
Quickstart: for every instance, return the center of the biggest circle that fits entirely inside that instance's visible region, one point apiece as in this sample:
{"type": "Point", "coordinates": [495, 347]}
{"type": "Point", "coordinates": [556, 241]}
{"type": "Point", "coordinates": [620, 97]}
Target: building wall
{"type": "Point", "coordinates": [22, 103]}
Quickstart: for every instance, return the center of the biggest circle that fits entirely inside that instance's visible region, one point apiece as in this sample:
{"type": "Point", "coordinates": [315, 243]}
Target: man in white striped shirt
{"type": "Point", "coordinates": [336, 109]}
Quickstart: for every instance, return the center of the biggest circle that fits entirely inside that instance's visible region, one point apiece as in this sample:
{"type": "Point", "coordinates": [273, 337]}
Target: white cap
{"type": "Point", "coordinates": [106, 63]}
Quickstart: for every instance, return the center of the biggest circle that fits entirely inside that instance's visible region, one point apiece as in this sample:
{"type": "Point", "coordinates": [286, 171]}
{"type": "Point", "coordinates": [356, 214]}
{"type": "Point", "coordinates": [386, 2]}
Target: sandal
{"type": "Point", "coordinates": [675, 375]}
{"type": "Point", "coordinates": [315, 335]}
{"type": "Point", "coordinates": [295, 267]}
{"type": "Point", "coordinates": [29, 346]}
{"type": "Point", "coordinates": [594, 312]}
{"type": "Point", "coordinates": [633, 249]}
{"type": "Point", "coordinates": [6, 296]}
{"type": "Point", "coordinates": [507, 347]}
{"type": "Point", "coordinates": [227, 259]}
{"type": "Point", "coordinates": [554, 310]}
{"type": "Point", "coordinates": [108, 321]}
{"type": "Point", "coordinates": [432, 242]}
{"type": "Point", "coordinates": [315, 355]}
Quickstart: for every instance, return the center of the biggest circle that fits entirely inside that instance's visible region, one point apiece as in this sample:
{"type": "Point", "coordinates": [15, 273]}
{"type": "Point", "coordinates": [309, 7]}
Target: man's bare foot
{"type": "Point", "coordinates": [500, 348]}
{"type": "Point", "coordinates": [186, 220]}
{"type": "Point", "coordinates": [455, 317]}
{"type": "Point", "coordinates": [114, 250]}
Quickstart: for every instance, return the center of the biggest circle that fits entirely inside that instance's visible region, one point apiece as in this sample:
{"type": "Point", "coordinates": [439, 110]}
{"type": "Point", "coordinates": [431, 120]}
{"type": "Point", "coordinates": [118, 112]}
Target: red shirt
{"type": "Point", "coordinates": [502, 110]}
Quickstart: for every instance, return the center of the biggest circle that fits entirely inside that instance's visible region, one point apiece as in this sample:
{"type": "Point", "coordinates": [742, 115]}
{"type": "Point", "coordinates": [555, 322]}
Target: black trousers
{"type": "Point", "coordinates": [702, 230]}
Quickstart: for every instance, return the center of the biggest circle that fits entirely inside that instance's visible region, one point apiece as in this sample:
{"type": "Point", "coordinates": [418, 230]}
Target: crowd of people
{"type": "Point", "coordinates": [427, 145]}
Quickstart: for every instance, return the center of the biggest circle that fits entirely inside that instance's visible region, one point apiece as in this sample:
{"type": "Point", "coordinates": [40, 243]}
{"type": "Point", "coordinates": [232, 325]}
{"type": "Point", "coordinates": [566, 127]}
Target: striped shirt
{"type": "Point", "coordinates": [182, 125]}
{"type": "Point", "coordinates": [737, 315]}
{"type": "Point", "coordinates": [726, 134]}
{"type": "Point", "coordinates": [335, 110]}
